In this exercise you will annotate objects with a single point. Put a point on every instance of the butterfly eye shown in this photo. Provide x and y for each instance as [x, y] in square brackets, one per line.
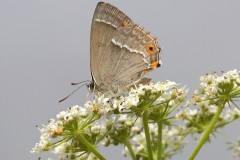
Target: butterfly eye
[151, 48]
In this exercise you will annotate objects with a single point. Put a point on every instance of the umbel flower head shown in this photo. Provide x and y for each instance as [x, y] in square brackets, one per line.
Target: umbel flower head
[215, 92]
[76, 132]
[139, 99]
[217, 89]
[144, 121]
[235, 147]
[173, 141]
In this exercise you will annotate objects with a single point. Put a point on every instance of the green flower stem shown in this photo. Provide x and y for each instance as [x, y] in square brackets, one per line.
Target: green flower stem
[55, 144]
[90, 119]
[128, 144]
[90, 146]
[193, 122]
[207, 132]
[224, 124]
[146, 130]
[159, 142]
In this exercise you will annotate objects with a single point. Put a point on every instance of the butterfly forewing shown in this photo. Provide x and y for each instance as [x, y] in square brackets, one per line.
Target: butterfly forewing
[106, 20]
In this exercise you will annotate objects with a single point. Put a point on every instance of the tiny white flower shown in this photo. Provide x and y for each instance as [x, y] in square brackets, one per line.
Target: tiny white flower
[96, 128]
[159, 87]
[192, 112]
[140, 148]
[74, 113]
[208, 79]
[68, 117]
[140, 90]
[238, 81]
[138, 126]
[42, 144]
[213, 109]
[129, 123]
[172, 132]
[236, 111]
[88, 104]
[136, 129]
[153, 128]
[117, 103]
[61, 149]
[119, 127]
[226, 116]
[61, 115]
[171, 103]
[131, 100]
[220, 79]
[83, 112]
[122, 118]
[233, 74]
[105, 142]
[180, 115]
[165, 96]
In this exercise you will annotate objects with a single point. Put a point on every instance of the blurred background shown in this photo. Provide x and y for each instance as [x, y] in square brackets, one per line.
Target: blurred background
[44, 46]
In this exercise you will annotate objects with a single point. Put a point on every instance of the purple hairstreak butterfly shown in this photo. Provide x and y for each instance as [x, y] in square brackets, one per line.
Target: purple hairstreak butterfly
[121, 52]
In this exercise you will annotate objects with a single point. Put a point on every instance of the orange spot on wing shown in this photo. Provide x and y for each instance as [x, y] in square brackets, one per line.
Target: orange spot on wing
[155, 64]
[151, 48]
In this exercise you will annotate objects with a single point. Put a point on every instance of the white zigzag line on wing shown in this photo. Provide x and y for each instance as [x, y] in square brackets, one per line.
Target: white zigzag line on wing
[127, 47]
[131, 50]
[102, 20]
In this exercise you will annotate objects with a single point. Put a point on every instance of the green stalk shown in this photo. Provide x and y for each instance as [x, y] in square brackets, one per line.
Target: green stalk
[147, 134]
[207, 132]
[159, 142]
[128, 144]
[90, 146]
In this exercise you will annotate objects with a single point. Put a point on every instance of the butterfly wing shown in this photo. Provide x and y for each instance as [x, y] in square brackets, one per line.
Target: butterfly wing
[106, 20]
[121, 51]
[132, 53]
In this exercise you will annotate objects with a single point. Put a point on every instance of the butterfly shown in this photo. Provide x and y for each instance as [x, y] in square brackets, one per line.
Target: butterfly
[121, 52]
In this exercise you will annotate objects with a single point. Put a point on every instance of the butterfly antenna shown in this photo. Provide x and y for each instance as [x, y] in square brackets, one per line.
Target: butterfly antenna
[80, 82]
[72, 92]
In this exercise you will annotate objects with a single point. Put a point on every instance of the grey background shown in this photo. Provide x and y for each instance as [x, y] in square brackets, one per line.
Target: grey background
[44, 46]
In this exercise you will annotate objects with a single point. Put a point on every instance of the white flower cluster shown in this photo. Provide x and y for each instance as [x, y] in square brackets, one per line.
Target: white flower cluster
[103, 105]
[202, 115]
[45, 137]
[213, 85]
[119, 125]
[214, 92]
[173, 141]
[56, 127]
[98, 118]
[73, 112]
[235, 146]
[230, 115]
